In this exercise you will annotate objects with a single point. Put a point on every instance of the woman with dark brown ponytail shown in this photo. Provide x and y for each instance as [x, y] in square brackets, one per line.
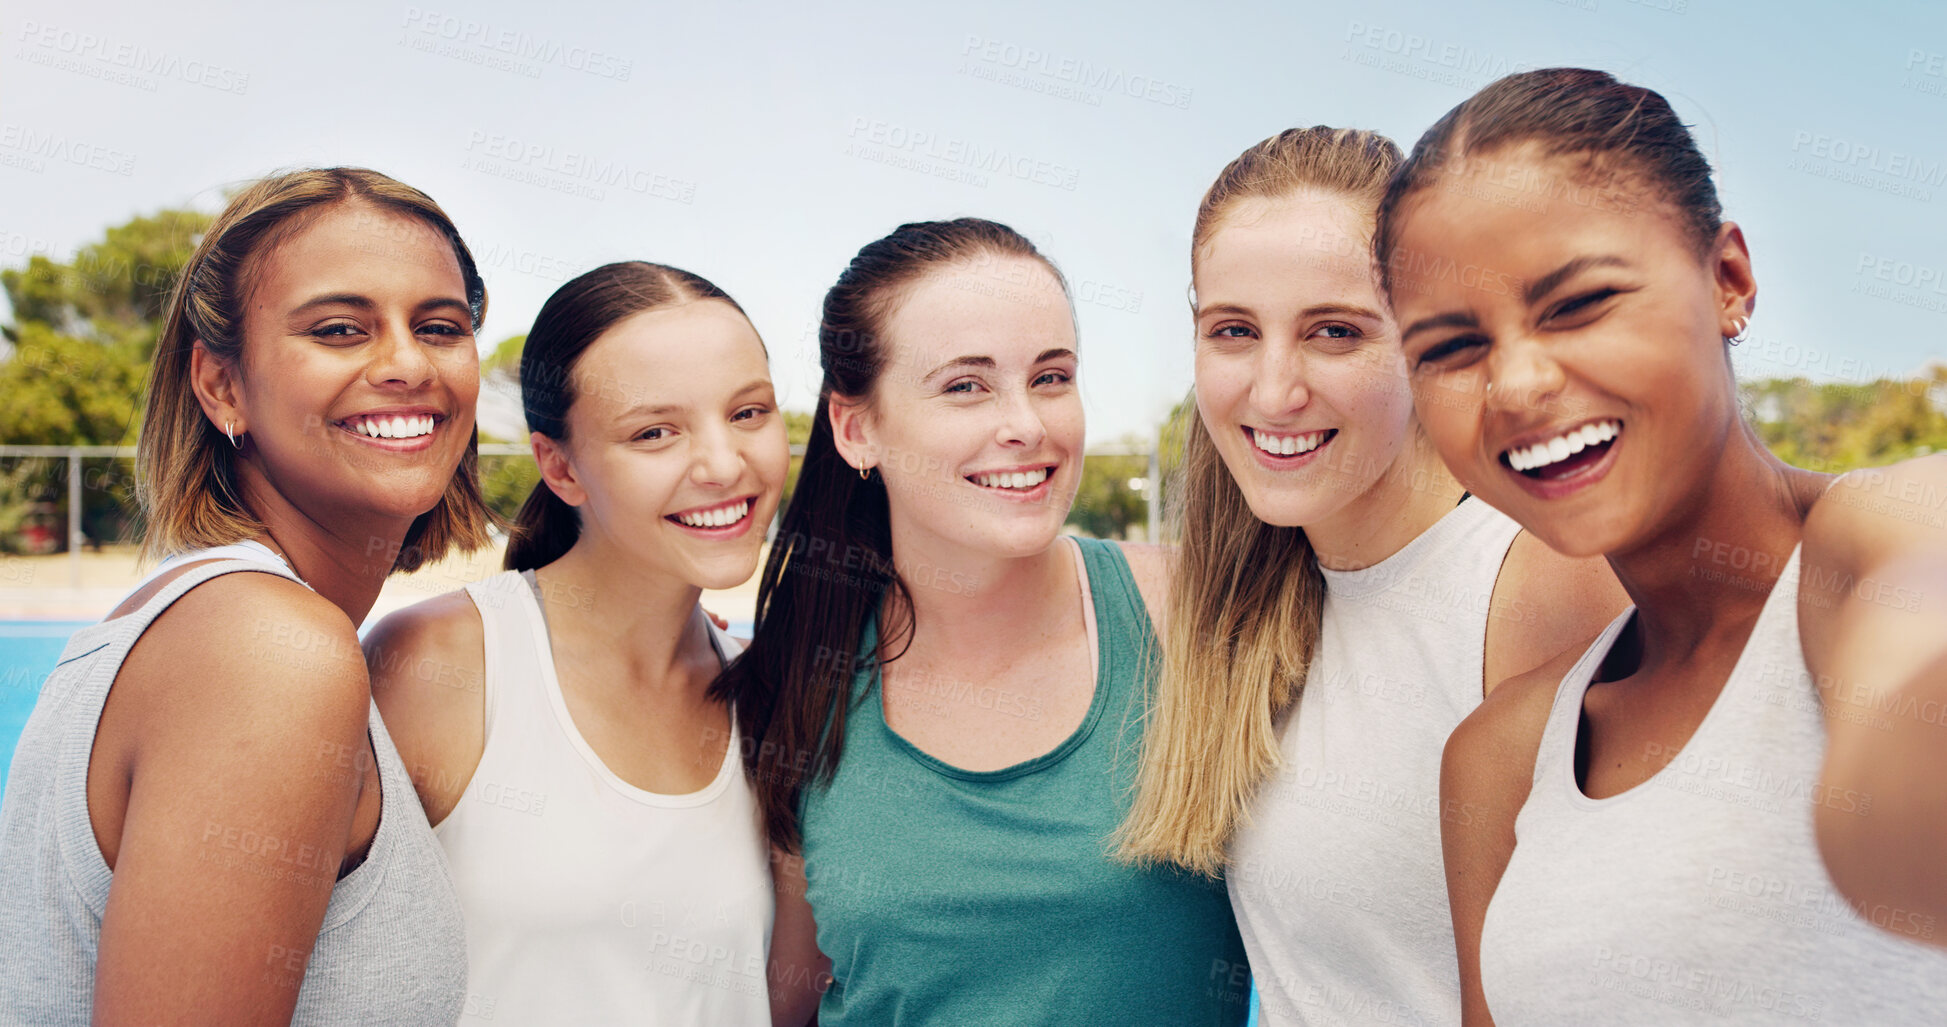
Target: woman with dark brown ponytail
[953, 688]
[1638, 840]
[587, 789]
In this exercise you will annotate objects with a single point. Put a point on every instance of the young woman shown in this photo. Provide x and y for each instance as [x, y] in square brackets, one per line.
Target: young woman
[1555, 251]
[1339, 604]
[588, 792]
[205, 820]
[953, 686]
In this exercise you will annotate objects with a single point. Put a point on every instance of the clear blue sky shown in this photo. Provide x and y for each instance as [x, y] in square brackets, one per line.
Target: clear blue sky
[761, 145]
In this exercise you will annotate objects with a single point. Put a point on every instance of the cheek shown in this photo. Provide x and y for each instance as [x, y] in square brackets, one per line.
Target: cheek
[1221, 382]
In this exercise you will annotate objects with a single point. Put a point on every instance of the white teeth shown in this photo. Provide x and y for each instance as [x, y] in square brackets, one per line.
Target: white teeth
[1012, 479]
[392, 427]
[720, 517]
[1287, 445]
[1563, 446]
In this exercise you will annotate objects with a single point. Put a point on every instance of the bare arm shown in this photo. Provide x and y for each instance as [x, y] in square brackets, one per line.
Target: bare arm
[242, 784]
[1546, 604]
[1872, 608]
[798, 972]
[428, 665]
[1485, 774]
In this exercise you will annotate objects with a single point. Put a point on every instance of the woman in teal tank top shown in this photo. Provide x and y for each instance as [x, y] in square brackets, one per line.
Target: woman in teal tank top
[951, 690]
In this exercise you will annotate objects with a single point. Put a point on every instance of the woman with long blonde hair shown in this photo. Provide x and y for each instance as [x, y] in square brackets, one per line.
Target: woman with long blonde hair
[1339, 604]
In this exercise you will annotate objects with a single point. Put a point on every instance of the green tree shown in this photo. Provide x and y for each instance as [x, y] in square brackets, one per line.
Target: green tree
[77, 356]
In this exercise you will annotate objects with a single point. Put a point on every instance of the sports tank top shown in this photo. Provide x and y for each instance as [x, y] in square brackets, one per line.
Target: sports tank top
[1699, 896]
[391, 948]
[587, 899]
[1337, 879]
[950, 896]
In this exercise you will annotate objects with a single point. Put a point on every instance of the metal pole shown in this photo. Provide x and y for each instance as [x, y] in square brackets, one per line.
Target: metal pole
[74, 517]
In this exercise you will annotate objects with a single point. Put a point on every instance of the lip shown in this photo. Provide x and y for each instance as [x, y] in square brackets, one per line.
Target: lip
[1576, 480]
[412, 445]
[717, 534]
[1037, 494]
[1280, 462]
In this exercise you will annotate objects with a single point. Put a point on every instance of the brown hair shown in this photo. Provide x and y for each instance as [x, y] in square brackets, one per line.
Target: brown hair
[1247, 599]
[832, 560]
[1617, 128]
[578, 313]
[186, 474]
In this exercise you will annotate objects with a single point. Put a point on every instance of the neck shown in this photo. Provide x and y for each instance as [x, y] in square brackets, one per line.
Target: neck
[962, 601]
[343, 557]
[600, 598]
[1412, 494]
[1714, 565]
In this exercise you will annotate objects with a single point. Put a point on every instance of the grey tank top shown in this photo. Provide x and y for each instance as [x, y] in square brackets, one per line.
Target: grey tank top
[1699, 896]
[392, 946]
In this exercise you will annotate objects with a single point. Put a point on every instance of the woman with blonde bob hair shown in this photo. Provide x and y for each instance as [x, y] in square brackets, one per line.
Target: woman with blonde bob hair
[1339, 603]
[205, 818]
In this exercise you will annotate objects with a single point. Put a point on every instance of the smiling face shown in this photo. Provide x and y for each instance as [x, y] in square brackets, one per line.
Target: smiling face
[976, 422]
[676, 452]
[1298, 372]
[1567, 358]
[359, 372]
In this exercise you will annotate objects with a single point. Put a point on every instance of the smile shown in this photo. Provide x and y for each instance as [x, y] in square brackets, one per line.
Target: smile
[1562, 455]
[714, 519]
[1289, 444]
[1012, 481]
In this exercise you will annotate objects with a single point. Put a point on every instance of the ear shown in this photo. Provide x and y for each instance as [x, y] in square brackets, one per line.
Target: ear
[556, 471]
[853, 431]
[1737, 285]
[219, 389]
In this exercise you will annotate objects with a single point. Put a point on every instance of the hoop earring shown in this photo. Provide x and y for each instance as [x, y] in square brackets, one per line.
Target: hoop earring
[234, 444]
[865, 473]
[1738, 329]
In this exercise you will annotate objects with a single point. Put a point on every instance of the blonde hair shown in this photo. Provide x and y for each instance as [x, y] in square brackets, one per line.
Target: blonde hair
[186, 473]
[1247, 597]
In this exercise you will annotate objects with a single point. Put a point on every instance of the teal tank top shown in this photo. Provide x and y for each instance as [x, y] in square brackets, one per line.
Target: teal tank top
[989, 897]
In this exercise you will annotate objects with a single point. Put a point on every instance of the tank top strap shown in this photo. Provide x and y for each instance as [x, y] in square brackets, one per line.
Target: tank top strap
[1557, 743]
[1121, 617]
[514, 637]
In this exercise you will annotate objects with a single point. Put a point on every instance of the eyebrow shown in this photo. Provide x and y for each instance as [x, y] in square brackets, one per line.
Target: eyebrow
[1452, 319]
[352, 299]
[1316, 310]
[1552, 280]
[970, 361]
[659, 409]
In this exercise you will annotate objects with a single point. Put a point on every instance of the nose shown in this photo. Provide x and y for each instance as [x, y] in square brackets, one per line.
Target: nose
[399, 360]
[1523, 377]
[1278, 387]
[715, 459]
[1020, 425]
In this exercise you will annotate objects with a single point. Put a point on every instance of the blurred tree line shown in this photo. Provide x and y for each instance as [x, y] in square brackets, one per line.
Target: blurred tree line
[82, 331]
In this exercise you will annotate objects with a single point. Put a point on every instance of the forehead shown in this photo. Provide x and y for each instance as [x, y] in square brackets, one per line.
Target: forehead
[997, 306]
[687, 354]
[1300, 244]
[358, 248]
[1486, 225]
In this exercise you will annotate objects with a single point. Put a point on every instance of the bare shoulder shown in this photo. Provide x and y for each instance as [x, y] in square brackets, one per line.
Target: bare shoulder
[1151, 564]
[440, 641]
[1878, 513]
[1546, 604]
[428, 664]
[1498, 741]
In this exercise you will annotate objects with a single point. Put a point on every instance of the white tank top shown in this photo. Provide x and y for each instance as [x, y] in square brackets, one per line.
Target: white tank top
[588, 900]
[1699, 896]
[1337, 882]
